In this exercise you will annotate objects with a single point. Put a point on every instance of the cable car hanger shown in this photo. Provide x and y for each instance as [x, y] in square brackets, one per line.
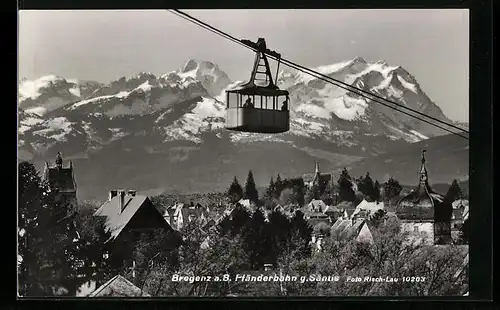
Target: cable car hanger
[260, 112]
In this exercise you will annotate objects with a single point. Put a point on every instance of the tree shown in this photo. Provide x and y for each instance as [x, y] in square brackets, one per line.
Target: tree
[378, 218]
[278, 187]
[392, 189]
[376, 191]
[239, 218]
[366, 186]
[279, 230]
[270, 190]
[250, 189]
[346, 193]
[45, 238]
[235, 191]
[256, 241]
[312, 193]
[303, 231]
[328, 196]
[454, 192]
[200, 254]
[90, 247]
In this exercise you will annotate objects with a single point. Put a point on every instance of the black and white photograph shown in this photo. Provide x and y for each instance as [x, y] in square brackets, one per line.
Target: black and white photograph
[243, 153]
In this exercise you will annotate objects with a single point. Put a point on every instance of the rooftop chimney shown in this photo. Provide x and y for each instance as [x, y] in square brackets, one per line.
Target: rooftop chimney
[121, 200]
[112, 194]
[132, 192]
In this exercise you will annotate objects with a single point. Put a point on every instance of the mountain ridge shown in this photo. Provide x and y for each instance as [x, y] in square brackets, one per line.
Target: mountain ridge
[176, 121]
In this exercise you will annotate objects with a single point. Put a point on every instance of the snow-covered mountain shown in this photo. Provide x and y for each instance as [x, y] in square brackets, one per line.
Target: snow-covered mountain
[176, 121]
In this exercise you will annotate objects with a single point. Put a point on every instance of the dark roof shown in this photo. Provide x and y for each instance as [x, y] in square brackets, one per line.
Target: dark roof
[116, 220]
[118, 286]
[251, 89]
[60, 178]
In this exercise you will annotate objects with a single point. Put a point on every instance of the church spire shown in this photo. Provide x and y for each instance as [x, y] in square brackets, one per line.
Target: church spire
[316, 167]
[423, 169]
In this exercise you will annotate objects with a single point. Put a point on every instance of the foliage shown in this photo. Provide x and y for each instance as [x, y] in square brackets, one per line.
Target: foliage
[392, 189]
[235, 191]
[278, 187]
[250, 189]
[346, 193]
[313, 193]
[454, 192]
[256, 240]
[45, 233]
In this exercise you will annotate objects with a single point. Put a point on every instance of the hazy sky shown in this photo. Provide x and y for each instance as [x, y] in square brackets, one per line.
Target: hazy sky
[433, 45]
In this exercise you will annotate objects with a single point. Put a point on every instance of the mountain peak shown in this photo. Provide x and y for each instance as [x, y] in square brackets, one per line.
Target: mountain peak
[190, 65]
[194, 64]
[358, 59]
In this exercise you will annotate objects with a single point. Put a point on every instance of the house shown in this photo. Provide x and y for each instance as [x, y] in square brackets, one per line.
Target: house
[367, 209]
[62, 181]
[333, 212]
[118, 286]
[127, 211]
[314, 218]
[425, 214]
[352, 229]
[127, 215]
[316, 205]
[180, 213]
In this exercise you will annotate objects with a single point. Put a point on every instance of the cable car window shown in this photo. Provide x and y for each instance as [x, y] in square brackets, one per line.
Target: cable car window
[232, 100]
[258, 102]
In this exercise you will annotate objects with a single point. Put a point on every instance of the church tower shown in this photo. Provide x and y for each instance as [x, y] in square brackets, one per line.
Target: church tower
[62, 180]
[424, 213]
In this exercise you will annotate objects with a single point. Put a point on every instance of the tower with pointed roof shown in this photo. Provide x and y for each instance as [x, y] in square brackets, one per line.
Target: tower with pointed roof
[424, 213]
[317, 178]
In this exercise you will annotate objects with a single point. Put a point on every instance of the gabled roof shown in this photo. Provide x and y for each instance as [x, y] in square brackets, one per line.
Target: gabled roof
[369, 207]
[331, 209]
[347, 228]
[116, 220]
[316, 204]
[118, 286]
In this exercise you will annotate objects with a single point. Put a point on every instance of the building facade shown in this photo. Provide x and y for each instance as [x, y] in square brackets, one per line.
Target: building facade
[424, 214]
[62, 180]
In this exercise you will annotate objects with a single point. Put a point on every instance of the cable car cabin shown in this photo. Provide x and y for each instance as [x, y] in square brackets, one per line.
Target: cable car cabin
[265, 112]
[258, 108]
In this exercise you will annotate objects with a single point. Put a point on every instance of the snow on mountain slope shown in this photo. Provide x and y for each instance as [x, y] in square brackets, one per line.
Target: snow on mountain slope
[329, 106]
[51, 92]
[32, 89]
[211, 77]
[185, 104]
[207, 115]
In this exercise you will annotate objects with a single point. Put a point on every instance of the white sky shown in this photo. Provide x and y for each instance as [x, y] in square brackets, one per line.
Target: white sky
[433, 45]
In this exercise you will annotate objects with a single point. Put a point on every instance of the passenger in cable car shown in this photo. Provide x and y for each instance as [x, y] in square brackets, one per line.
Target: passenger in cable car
[284, 106]
[248, 103]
